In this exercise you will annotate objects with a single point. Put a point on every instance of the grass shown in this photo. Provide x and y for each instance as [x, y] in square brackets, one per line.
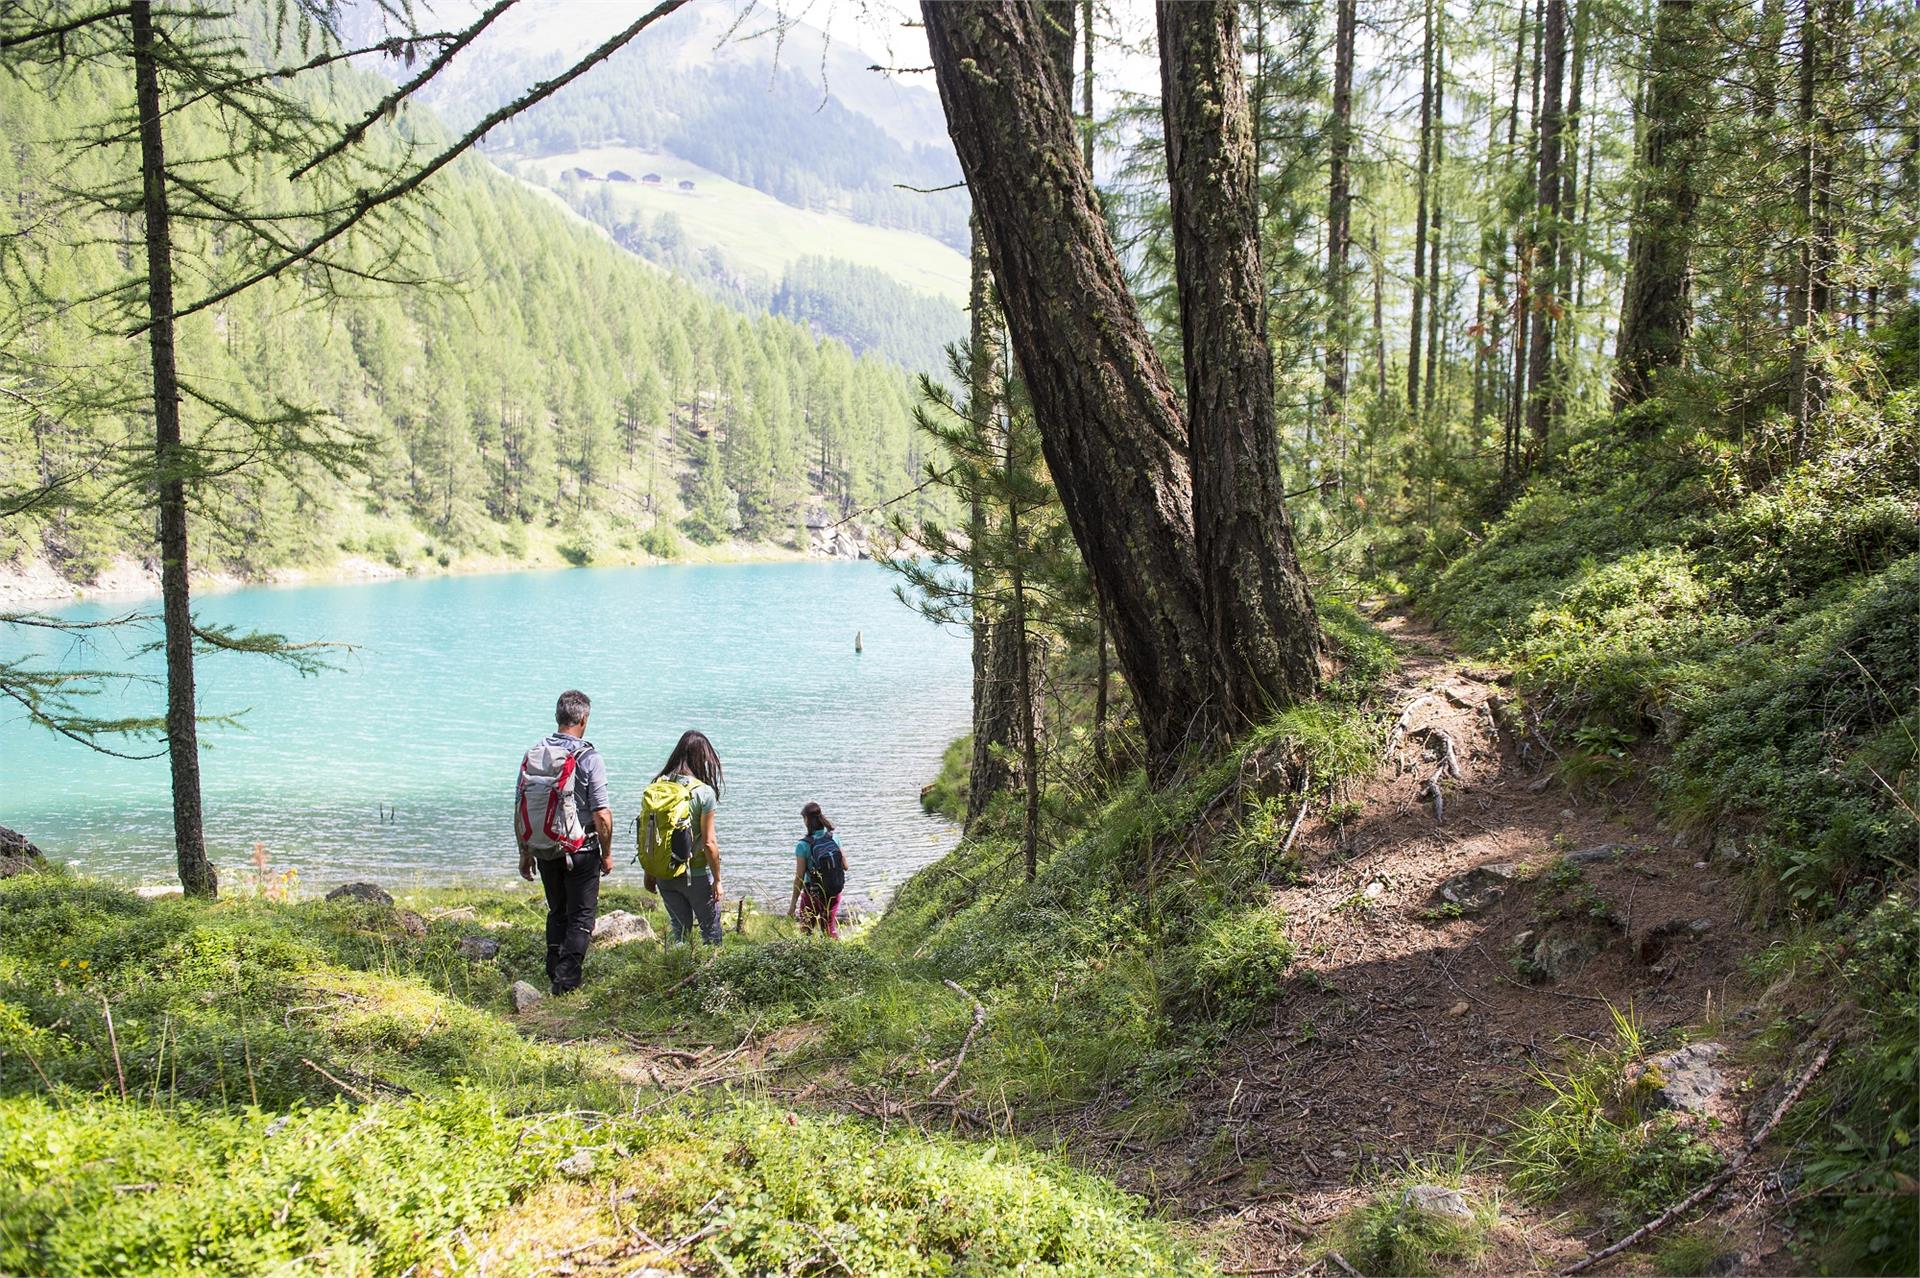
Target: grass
[1390, 1234]
[1594, 1135]
[755, 230]
[309, 1088]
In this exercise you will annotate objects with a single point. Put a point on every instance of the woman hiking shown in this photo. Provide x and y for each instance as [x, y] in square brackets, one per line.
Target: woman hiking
[819, 875]
[695, 895]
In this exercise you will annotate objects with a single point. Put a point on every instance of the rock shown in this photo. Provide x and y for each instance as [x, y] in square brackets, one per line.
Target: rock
[478, 949]
[1439, 1200]
[154, 891]
[1477, 890]
[278, 1125]
[1374, 888]
[1564, 948]
[372, 893]
[1598, 854]
[617, 926]
[15, 846]
[1659, 941]
[578, 1164]
[1686, 1079]
[412, 924]
[1458, 1009]
[523, 996]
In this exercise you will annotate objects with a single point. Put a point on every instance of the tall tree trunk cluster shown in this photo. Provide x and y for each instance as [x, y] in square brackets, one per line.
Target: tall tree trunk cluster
[1181, 525]
[1655, 308]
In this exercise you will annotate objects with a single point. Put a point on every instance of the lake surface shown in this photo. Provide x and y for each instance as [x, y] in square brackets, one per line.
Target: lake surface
[450, 679]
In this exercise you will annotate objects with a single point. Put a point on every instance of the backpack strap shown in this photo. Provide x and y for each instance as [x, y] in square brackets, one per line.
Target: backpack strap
[560, 784]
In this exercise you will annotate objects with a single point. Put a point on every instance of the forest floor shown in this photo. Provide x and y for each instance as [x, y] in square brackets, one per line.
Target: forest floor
[1413, 1029]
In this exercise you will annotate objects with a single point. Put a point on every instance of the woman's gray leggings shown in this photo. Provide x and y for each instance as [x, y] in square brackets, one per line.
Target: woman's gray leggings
[688, 899]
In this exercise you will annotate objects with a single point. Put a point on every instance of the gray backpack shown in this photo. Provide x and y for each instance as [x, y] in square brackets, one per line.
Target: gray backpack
[546, 820]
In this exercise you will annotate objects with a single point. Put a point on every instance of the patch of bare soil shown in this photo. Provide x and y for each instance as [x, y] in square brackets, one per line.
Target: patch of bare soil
[1441, 958]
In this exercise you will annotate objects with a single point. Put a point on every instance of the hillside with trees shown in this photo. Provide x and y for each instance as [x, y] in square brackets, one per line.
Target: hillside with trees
[541, 385]
[1440, 539]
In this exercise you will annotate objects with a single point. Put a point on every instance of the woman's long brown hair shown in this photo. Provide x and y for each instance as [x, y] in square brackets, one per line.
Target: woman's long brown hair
[816, 819]
[694, 756]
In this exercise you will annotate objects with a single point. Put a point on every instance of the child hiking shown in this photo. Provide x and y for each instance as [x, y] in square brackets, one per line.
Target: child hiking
[819, 875]
[678, 851]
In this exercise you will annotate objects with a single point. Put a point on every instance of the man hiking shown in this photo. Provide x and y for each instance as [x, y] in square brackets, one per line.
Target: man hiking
[564, 827]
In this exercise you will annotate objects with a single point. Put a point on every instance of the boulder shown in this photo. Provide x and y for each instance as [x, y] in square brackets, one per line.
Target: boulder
[412, 924]
[17, 846]
[1658, 944]
[523, 996]
[1599, 854]
[617, 926]
[1686, 1078]
[1477, 890]
[578, 1165]
[1439, 1200]
[1559, 950]
[371, 893]
[478, 949]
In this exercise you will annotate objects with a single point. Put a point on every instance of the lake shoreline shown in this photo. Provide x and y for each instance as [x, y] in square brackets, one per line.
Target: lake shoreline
[35, 583]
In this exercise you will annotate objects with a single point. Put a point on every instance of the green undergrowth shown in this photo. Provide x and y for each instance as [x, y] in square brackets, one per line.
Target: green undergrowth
[1752, 619]
[1596, 1136]
[317, 1088]
[1393, 1233]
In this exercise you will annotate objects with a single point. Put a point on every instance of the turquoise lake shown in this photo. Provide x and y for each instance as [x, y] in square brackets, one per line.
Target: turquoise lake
[449, 679]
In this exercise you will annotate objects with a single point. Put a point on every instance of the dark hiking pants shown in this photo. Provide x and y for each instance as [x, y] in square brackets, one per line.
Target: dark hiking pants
[687, 899]
[573, 899]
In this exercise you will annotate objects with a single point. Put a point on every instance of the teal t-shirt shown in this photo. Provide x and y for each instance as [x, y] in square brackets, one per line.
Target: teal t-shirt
[704, 800]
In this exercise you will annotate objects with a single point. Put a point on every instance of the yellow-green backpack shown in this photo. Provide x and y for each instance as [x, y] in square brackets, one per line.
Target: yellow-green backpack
[664, 828]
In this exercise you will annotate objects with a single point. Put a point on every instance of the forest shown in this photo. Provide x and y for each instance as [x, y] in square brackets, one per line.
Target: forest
[1430, 488]
[542, 383]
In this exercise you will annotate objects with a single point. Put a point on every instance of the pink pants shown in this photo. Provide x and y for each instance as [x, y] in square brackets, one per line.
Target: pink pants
[822, 913]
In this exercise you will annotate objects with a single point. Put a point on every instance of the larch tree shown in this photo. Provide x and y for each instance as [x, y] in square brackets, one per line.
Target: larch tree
[1115, 439]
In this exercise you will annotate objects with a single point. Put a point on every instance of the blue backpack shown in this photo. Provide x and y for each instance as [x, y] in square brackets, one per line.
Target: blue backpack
[826, 868]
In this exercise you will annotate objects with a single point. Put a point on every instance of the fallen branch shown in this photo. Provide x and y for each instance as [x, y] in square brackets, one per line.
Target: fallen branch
[979, 1019]
[1306, 776]
[1719, 1181]
[113, 1037]
[348, 1088]
[1400, 724]
[1344, 1267]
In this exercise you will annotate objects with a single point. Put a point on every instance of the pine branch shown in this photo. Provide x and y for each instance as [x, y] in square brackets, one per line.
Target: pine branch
[367, 202]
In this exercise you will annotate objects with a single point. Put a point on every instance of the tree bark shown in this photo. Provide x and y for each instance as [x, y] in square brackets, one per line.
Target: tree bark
[1545, 301]
[1099, 609]
[1022, 644]
[993, 678]
[1434, 168]
[1261, 627]
[1111, 430]
[1420, 218]
[197, 875]
[1339, 209]
[1655, 306]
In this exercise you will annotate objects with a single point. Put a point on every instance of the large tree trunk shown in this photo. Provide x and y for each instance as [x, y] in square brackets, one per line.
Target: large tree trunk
[1434, 218]
[993, 675]
[1111, 429]
[1655, 307]
[1339, 209]
[1099, 609]
[1420, 219]
[1810, 294]
[1546, 263]
[197, 876]
[1260, 621]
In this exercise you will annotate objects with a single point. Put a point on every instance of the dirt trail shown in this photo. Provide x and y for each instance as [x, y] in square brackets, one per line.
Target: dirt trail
[1411, 1030]
[1413, 1025]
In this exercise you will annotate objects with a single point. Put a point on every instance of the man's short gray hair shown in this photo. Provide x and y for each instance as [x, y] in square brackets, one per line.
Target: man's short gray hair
[573, 707]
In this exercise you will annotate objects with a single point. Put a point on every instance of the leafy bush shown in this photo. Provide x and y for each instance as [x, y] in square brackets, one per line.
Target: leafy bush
[1235, 969]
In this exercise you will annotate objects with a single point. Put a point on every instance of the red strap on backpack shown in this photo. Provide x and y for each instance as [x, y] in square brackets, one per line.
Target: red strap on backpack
[553, 806]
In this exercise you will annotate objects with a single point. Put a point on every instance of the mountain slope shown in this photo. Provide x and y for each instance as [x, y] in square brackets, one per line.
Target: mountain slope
[551, 390]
